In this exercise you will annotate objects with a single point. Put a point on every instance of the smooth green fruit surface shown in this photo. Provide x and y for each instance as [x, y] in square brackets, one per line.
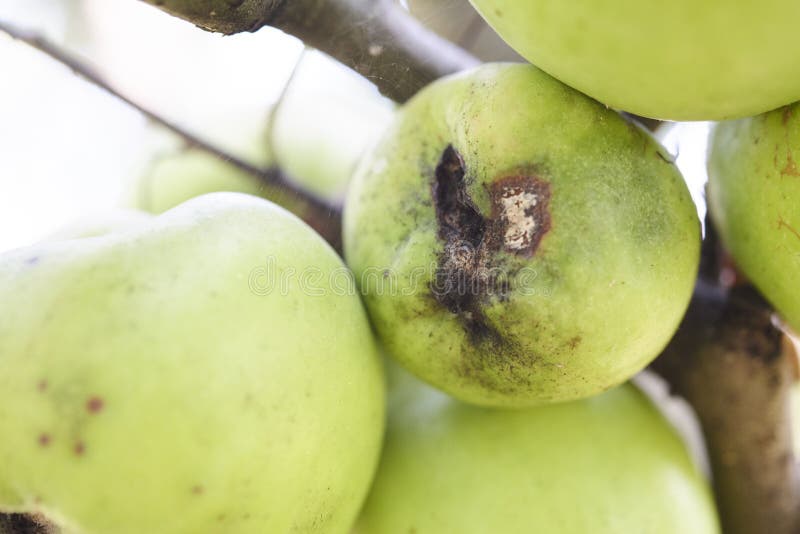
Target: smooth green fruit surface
[679, 60]
[518, 243]
[150, 382]
[606, 465]
[754, 200]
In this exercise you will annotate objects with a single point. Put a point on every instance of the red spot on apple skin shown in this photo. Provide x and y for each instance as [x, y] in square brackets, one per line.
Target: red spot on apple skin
[198, 490]
[45, 439]
[79, 448]
[94, 405]
[41, 386]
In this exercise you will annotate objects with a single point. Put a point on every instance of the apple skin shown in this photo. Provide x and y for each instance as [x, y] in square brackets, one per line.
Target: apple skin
[606, 465]
[604, 289]
[147, 385]
[679, 60]
[754, 201]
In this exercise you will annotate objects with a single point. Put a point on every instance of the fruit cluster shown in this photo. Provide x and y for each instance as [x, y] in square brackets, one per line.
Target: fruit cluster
[514, 252]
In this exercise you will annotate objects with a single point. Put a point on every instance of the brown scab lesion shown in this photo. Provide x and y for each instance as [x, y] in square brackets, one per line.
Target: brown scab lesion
[574, 342]
[520, 215]
[469, 271]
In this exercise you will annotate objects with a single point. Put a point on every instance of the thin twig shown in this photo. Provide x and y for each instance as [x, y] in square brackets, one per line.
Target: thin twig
[320, 214]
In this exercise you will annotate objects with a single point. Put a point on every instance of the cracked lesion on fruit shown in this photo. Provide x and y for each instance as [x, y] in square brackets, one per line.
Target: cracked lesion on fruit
[469, 270]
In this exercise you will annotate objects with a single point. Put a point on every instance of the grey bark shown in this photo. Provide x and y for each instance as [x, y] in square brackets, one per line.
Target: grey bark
[735, 367]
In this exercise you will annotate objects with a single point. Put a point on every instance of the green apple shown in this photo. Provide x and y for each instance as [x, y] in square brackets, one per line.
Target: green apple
[679, 60]
[606, 465]
[177, 176]
[754, 200]
[519, 243]
[196, 375]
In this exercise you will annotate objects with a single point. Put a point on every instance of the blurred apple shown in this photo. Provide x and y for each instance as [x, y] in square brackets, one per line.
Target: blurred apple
[606, 465]
[754, 201]
[178, 176]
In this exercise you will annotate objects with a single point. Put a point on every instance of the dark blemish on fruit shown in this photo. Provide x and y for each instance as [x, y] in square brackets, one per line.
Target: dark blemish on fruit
[574, 342]
[41, 386]
[459, 278]
[198, 490]
[94, 405]
[520, 216]
[45, 439]
[79, 448]
[469, 272]
[457, 215]
[221, 518]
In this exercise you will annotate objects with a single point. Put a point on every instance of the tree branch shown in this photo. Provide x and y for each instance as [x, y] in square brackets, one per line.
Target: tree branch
[321, 215]
[736, 369]
[376, 38]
